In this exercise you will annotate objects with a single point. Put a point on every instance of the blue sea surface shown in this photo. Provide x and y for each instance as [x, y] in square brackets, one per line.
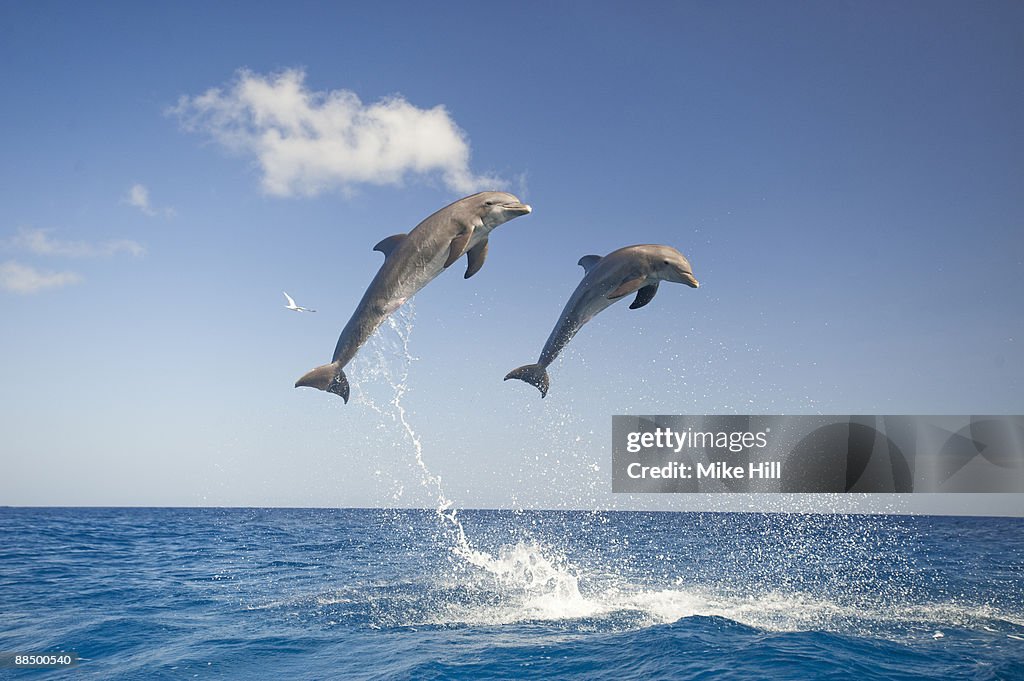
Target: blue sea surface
[405, 594]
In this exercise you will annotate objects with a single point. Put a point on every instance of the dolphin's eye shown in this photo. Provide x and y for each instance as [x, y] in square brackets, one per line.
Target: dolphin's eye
[489, 203]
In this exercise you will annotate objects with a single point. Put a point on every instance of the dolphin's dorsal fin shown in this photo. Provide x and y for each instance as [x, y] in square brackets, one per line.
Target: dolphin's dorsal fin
[387, 245]
[644, 296]
[588, 261]
[476, 258]
[458, 246]
[627, 287]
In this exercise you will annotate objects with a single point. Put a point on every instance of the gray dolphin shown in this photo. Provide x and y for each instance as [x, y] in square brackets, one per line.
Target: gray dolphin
[411, 261]
[631, 269]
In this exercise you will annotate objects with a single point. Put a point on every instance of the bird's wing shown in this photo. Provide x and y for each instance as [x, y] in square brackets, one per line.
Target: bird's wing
[291, 303]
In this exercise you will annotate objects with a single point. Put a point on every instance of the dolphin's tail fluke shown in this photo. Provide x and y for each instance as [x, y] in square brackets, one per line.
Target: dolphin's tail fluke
[329, 377]
[534, 374]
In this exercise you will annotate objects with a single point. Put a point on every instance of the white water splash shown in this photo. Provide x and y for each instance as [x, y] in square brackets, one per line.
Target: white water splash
[528, 581]
[534, 589]
[396, 375]
[541, 584]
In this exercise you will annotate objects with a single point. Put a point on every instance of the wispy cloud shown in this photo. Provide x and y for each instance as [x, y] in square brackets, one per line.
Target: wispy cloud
[39, 242]
[19, 278]
[138, 196]
[307, 142]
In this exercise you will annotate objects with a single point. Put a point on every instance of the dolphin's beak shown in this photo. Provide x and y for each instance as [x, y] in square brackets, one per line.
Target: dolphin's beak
[517, 208]
[690, 280]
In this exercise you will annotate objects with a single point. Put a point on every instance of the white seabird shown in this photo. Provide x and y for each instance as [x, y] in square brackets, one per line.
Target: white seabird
[292, 306]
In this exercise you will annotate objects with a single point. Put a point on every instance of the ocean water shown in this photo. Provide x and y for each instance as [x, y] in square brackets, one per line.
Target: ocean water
[408, 594]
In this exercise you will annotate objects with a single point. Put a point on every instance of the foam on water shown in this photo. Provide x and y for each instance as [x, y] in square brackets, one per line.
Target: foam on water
[531, 582]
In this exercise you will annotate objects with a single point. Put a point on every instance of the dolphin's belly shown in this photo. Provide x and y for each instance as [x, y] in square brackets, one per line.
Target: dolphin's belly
[398, 280]
[404, 282]
[422, 268]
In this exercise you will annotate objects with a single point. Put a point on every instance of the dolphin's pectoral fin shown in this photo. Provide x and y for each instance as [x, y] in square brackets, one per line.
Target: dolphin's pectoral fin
[458, 246]
[476, 258]
[644, 296]
[627, 287]
[588, 261]
[389, 244]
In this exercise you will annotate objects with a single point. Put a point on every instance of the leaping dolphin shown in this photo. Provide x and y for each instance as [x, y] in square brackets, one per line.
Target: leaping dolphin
[411, 261]
[631, 269]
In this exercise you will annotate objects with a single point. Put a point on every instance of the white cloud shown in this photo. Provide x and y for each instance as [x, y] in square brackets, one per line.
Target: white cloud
[138, 196]
[40, 242]
[307, 142]
[20, 278]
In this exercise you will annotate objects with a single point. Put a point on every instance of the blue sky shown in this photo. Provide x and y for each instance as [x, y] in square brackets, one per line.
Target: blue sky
[846, 178]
